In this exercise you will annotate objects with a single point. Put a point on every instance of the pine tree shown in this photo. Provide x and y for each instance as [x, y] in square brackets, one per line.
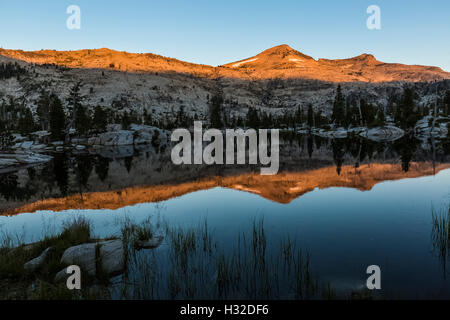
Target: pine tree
[215, 110]
[100, 119]
[148, 120]
[73, 102]
[252, 119]
[43, 110]
[368, 113]
[338, 116]
[406, 114]
[310, 116]
[6, 139]
[299, 117]
[82, 120]
[26, 122]
[181, 118]
[380, 118]
[57, 118]
[447, 103]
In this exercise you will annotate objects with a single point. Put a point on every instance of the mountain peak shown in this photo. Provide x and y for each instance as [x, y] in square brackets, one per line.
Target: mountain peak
[280, 61]
[366, 57]
[283, 51]
[279, 48]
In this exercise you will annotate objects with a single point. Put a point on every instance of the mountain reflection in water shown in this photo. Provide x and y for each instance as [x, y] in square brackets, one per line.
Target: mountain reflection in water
[114, 178]
[282, 188]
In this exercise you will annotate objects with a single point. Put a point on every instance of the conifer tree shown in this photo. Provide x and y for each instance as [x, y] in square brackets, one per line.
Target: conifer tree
[82, 120]
[26, 122]
[310, 116]
[406, 115]
[252, 120]
[73, 102]
[338, 116]
[215, 110]
[100, 119]
[6, 139]
[57, 118]
[43, 110]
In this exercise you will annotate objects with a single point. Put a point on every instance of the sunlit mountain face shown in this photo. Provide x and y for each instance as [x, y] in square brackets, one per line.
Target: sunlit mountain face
[280, 61]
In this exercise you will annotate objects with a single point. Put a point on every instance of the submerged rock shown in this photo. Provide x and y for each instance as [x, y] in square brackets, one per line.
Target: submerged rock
[25, 158]
[338, 133]
[386, 133]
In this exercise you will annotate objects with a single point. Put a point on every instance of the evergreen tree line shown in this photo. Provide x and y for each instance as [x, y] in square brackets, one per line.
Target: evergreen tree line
[9, 70]
[346, 112]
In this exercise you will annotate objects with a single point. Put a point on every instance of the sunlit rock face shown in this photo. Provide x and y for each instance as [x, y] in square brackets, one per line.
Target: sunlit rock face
[282, 188]
[277, 80]
[278, 62]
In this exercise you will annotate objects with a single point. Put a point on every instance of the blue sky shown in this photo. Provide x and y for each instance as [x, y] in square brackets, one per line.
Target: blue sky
[216, 32]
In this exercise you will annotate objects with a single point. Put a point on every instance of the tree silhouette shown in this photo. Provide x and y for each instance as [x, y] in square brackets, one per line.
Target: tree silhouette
[82, 120]
[215, 111]
[6, 139]
[100, 119]
[310, 116]
[338, 154]
[26, 122]
[102, 168]
[338, 116]
[43, 110]
[57, 118]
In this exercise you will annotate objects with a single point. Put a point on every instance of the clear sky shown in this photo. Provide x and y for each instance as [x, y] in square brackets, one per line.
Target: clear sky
[216, 32]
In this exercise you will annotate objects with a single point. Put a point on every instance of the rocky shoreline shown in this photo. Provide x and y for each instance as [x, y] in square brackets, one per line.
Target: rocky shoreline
[31, 152]
[102, 262]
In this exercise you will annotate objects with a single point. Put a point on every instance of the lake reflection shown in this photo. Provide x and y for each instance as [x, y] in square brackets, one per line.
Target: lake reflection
[349, 211]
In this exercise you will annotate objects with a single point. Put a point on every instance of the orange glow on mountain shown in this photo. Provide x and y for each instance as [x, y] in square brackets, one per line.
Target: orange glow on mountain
[282, 188]
[277, 62]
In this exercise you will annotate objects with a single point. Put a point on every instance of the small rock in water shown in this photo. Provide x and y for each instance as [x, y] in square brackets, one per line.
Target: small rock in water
[151, 243]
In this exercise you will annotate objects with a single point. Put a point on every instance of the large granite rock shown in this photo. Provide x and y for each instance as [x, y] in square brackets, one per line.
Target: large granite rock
[116, 138]
[83, 255]
[148, 134]
[110, 254]
[112, 257]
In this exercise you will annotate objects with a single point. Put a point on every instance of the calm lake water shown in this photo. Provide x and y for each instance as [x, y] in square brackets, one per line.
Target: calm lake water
[376, 211]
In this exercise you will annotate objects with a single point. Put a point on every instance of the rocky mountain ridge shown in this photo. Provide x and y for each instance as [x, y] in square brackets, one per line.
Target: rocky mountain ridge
[277, 62]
